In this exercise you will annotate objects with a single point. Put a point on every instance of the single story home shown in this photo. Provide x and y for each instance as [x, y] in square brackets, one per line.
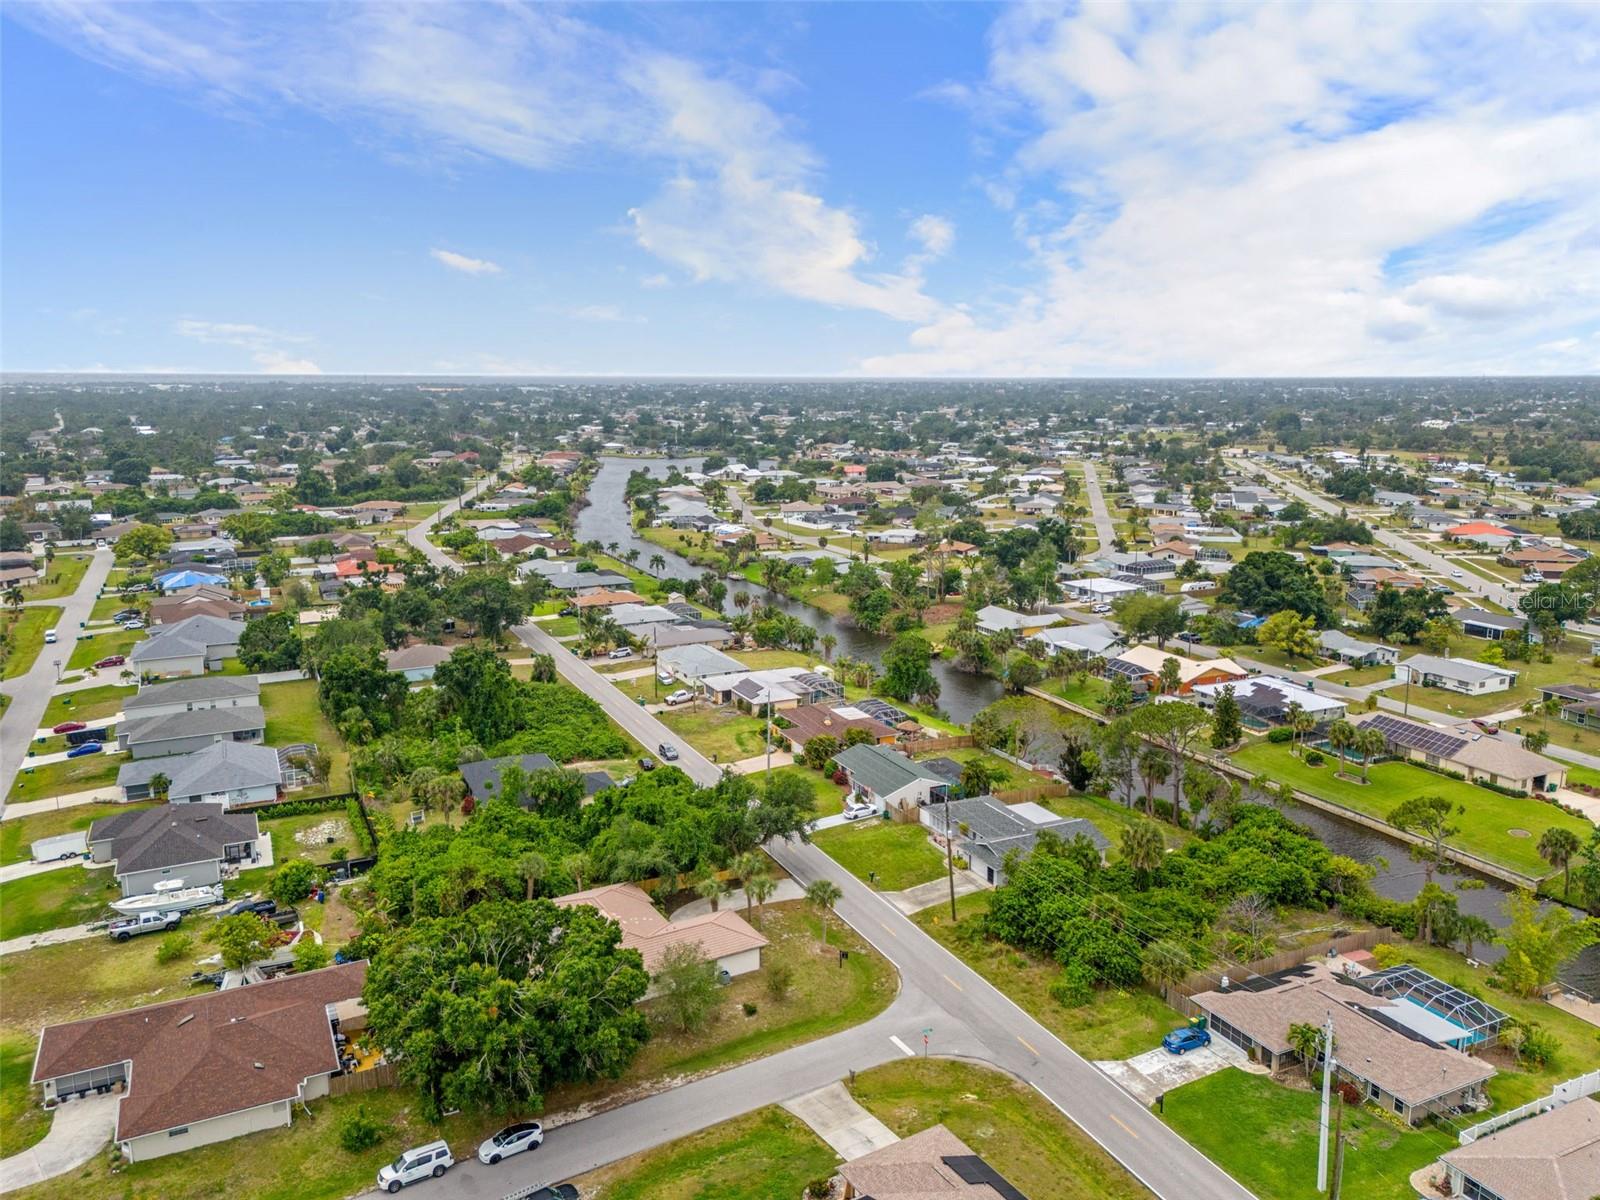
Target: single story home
[1461, 675]
[994, 619]
[1551, 1155]
[1492, 626]
[1482, 533]
[781, 688]
[483, 777]
[986, 830]
[193, 695]
[888, 779]
[206, 1067]
[1478, 756]
[723, 937]
[1266, 700]
[1100, 591]
[932, 1165]
[191, 646]
[190, 842]
[1145, 663]
[606, 598]
[694, 662]
[1381, 1044]
[185, 732]
[223, 772]
[203, 600]
[800, 725]
[1356, 652]
[416, 663]
[1081, 641]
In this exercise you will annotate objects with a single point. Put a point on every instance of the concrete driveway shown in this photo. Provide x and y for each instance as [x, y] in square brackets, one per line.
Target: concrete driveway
[1155, 1072]
[836, 1118]
[78, 1131]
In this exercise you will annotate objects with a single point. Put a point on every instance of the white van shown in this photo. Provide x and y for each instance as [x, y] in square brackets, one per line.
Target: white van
[49, 637]
[420, 1162]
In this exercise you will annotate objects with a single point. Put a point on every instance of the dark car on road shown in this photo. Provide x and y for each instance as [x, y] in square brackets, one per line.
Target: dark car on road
[647, 764]
[668, 752]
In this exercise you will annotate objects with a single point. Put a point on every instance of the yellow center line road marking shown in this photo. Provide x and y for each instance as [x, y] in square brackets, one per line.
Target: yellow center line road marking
[889, 931]
[1031, 1050]
[1119, 1121]
[955, 985]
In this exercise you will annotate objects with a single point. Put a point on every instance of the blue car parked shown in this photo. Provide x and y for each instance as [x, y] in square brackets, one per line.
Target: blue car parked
[1187, 1038]
[82, 751]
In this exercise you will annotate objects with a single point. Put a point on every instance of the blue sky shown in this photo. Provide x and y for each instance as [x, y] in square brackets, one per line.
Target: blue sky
[801, 189]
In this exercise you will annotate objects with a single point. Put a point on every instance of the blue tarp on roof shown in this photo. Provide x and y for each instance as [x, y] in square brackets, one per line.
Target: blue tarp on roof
[173, 580]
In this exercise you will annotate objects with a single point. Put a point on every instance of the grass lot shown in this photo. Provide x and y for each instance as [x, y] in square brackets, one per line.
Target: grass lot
[27, 638]
[1564, 668]
[763, 1154]
[22, 1121]
[829, 795]
[1087, 692]
[722, 734]
[109, 605]
[1264, 1134]
[61, 577]
[17, 834]
[1009, 774]
[1273, 657]
[1118, 1024]
[1111, 818]
[87, 704]
[1016, 1130]
[1485, 824]
[900, 855]
[293, 716]
[560, 627]
[1359, 676]
[65, 777]
[92, 647]
[53, 900]
[825, 997]
[766, 660]
[306, 837]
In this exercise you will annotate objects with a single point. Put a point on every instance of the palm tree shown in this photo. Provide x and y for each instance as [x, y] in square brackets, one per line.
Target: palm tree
[160, 783]
[1142, 847]
[1303, 724]
[657, 564]
[1306, 1041]
[579, 865]
[1341, 737]
[823, 895]
[1155, 768]
[759, 887]
[1370, 742]
[709, 887]
[1470, 929]
[533, 867]
[1557, 847]
[1291, 718]
[828, 643]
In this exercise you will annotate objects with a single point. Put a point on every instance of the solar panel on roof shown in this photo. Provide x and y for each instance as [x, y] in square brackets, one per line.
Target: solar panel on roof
[1417, 737]
[971, 1169]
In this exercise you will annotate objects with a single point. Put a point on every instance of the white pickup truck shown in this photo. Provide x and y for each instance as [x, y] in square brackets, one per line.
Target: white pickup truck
[157, 922]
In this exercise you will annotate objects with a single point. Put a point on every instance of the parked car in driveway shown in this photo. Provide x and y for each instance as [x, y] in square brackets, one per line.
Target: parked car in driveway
[513, 1139]
[665, 676]
[84, 750]
[621, 652]
[420, 1162]
[647, 764]
[681, 696]
[261, 907]
[135, 624]
[668, 752]
[114, 660]
[1190, 1037]
[68, 727]
[556, 1191]
[150, 922]
[856, 808]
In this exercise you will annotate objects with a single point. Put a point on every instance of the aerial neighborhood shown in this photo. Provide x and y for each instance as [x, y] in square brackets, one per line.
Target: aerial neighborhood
[510, 779]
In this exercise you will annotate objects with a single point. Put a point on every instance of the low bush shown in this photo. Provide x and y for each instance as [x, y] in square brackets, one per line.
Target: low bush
[1075, 986]
[1279, 736]
[358, 1131]
[780, 978]
[173, 947]
[1313, 758]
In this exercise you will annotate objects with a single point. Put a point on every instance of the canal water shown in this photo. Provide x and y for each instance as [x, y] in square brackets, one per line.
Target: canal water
[962, 694]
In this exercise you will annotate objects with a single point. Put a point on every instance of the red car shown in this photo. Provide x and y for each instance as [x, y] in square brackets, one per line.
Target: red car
[68, 727]
[115, 660]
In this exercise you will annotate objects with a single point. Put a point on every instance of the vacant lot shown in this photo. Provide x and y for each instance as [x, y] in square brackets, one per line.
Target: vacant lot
[65, 777]
[92, 646]
[86, 704]
[54, 900]
[27, 637]
[1486, 825]
[293, 715]
[721, 734]
[890, 856]
[313, 836]
[61, 577]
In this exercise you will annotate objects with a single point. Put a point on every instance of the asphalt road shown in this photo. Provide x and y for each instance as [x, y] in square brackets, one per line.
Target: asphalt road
[1104, 529]
[963, 1014]
[30, 693]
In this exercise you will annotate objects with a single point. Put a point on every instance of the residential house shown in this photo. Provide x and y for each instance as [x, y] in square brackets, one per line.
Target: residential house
[1144, 663]
[185, 732]
[1492, 626]
[692, 663]
[1097, 590]
[986, 830]
[932, 1165]
[1579, 705]
[722, 937]
[1355, 652]
[1098, 640]
[1550, 561]
[783, 688]
[799, 725]
[416, 663]
[1461, 675]
[1269, 700]
[191, 646]
[206, 1067]
[1482, 533]
[1382, 1045]
[994, 619]
[192, 695]
[1466, 749]
[232, 773]
[483, 777]
[190, 842]
[202, 601]
[216, 550]
[606, 598]
[1551, 1155]
[887, 778]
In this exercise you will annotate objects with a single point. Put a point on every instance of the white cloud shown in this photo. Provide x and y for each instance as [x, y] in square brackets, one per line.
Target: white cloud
[934, 234]
[267, 346]
[464, 264]
[603, 313]
[658, 280]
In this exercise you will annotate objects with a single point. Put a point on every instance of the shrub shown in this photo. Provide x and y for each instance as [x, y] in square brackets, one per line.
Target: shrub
[749, 1009]
[310, 954]
[358, 1132]
[1539, 1046]
[340, 853]
[299, 808]
[820, 1187]
[1280, 735]
[1074, 988]
[173, 947]
[780, 977]
[293, 882]
[1313, 758]
[355, 811]
[1387, 955]
[1350, 1093]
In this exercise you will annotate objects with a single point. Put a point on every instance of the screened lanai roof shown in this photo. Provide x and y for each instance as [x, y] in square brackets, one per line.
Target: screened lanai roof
[1480, 1021]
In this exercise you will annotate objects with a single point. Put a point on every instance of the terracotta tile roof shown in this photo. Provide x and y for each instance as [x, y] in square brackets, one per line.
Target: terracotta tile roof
[605, 599]
[644, 929]
[210, 1055]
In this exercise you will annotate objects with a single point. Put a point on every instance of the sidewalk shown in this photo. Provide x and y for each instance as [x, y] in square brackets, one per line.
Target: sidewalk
[111, 794]
[53, 937]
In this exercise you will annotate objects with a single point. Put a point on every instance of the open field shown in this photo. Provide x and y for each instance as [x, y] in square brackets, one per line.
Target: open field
[307, 836]
[62, 778]
[294, 716]
[887, 854]
[722, 734]
[87, 704]
[1088, 691]
[1566, 667]
[27, 637]
[1486, 824]
[1360, 676]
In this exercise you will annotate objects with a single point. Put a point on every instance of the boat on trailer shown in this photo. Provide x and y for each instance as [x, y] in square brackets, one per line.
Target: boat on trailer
[170, 896]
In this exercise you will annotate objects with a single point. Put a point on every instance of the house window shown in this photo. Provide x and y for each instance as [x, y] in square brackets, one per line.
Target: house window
[1399, 1106]
[178, 1132]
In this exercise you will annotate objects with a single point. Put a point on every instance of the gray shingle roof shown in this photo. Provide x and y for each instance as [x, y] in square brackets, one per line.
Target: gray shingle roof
[883, 770]
[172, 835]
[483, 776]
[202, 722]
[220, 767]
[205, 687]
[192, 635]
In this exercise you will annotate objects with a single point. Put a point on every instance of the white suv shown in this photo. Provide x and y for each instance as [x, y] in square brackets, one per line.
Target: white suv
[421, 1162]
[855, 808]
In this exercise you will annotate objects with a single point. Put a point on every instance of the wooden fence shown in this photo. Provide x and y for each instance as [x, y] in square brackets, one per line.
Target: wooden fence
[1210, 980]
[382, 1075]
[955, 741]
[1024, 795]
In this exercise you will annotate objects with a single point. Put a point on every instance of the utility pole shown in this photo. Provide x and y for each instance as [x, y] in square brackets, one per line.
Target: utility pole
[1338, 1152]
[950, 853]
[1327, 1083]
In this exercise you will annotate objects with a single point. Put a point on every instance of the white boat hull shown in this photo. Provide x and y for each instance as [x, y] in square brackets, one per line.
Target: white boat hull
[179, 901]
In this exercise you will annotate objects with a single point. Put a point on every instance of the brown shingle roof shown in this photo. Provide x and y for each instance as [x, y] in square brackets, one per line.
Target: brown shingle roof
[644, 929]
[920, 1167]
[1554, 1156]
[209, 1055]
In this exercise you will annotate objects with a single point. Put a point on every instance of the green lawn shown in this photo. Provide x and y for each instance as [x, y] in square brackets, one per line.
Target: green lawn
[293, 715]
[766, 660]
[758, 1156]
[1009, 774]
[899, 856]
[306, 837]
[1485, 825]
[1264, 1134]
[65, 777]
[1359, 676]
[1564, 667]
[1110, 818]
[86, 704]
[61, 577]
[1017, 1131]
[54, 900]
[1087, 691]
[1116, 1024]
[1274, 657]
[92, 647]
[18, 833]
[829, 795]
[22, 1121]
[27, 638]
[722, 734]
